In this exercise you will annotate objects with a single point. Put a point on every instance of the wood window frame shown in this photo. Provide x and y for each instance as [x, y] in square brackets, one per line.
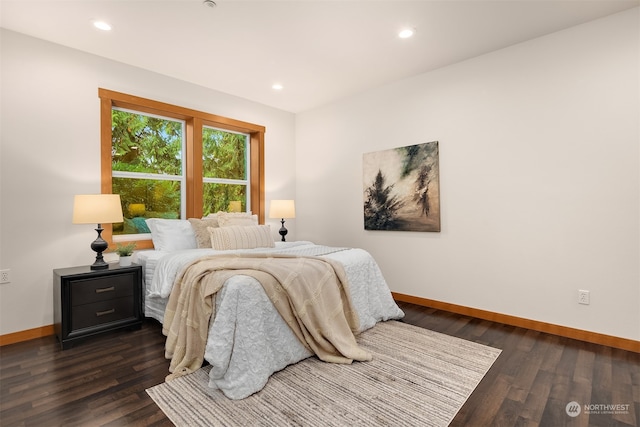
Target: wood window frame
[194, 121]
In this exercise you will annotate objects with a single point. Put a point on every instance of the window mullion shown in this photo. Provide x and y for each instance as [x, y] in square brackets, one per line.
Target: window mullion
[257, 175]
[226, 181]
[194, 168]
[144, 175]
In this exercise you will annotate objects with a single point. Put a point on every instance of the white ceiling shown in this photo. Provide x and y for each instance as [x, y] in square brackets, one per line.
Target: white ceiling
[319, 51]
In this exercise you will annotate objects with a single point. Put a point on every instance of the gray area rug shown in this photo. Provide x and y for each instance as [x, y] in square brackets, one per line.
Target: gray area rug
[417, 378]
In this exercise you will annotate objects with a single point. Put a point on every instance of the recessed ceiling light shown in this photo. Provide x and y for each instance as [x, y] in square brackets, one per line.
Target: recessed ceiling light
[277, 86]
[406, 33]
[101, 25]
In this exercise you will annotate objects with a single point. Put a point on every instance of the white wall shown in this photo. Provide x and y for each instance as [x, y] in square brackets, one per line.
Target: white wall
[539, 171]
[50, 151]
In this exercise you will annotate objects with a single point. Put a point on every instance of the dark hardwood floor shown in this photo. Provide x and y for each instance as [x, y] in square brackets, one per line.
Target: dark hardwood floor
[102, 381]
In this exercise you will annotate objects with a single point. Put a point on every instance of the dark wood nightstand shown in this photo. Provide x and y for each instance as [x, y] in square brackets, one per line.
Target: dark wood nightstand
[88, 302]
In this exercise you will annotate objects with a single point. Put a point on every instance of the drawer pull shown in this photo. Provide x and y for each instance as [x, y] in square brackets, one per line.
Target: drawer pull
[109, 289]
[104, 313]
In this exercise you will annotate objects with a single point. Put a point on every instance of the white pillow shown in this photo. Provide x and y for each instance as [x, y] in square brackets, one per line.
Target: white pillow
[227, 219]
[171, 234]
[241, 237]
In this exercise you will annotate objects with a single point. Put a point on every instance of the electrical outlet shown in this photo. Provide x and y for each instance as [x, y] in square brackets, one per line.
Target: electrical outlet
[583, 297]
[4, 276]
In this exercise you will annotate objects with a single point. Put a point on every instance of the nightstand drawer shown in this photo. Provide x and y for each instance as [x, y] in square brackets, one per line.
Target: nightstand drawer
[98, 313]
[87, 291]
[89, 302]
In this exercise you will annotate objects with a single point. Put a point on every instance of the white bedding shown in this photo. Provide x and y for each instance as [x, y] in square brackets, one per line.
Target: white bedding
[248, 340]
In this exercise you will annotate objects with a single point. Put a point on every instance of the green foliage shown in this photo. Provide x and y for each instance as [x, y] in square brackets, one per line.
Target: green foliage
[223, 157]
[142, 143]
[380, 207]
[223, 154]
[125, 250]
[156, 195]
[216, 197]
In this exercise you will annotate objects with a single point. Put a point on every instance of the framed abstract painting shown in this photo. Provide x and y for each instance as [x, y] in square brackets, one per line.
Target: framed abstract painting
[402, 188]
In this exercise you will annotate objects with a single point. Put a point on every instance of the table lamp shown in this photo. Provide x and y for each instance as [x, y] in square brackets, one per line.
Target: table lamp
[97, 209]
[282, 209]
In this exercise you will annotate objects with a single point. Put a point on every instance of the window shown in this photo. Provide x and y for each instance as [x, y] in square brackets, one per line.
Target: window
[147, 168]
[225, 177]
[167, 161]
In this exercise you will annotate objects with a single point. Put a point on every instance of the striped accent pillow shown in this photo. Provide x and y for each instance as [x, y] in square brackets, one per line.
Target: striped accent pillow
[241, 237]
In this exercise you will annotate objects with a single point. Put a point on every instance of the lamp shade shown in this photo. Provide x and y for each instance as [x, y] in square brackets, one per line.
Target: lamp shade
[282, 209]
[97, 209]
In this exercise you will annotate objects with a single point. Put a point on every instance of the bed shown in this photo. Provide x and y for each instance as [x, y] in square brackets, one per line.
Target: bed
[247, 338]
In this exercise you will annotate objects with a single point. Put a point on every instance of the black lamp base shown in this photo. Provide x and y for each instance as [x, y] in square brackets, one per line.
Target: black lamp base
[99, 264]
[283, 231]
[99, 245]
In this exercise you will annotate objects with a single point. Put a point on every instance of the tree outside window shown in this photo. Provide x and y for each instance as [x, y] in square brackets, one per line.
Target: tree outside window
[147, 168]
[225, 174]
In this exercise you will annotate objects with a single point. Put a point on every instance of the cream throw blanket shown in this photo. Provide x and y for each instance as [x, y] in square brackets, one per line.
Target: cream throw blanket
[311, 294]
